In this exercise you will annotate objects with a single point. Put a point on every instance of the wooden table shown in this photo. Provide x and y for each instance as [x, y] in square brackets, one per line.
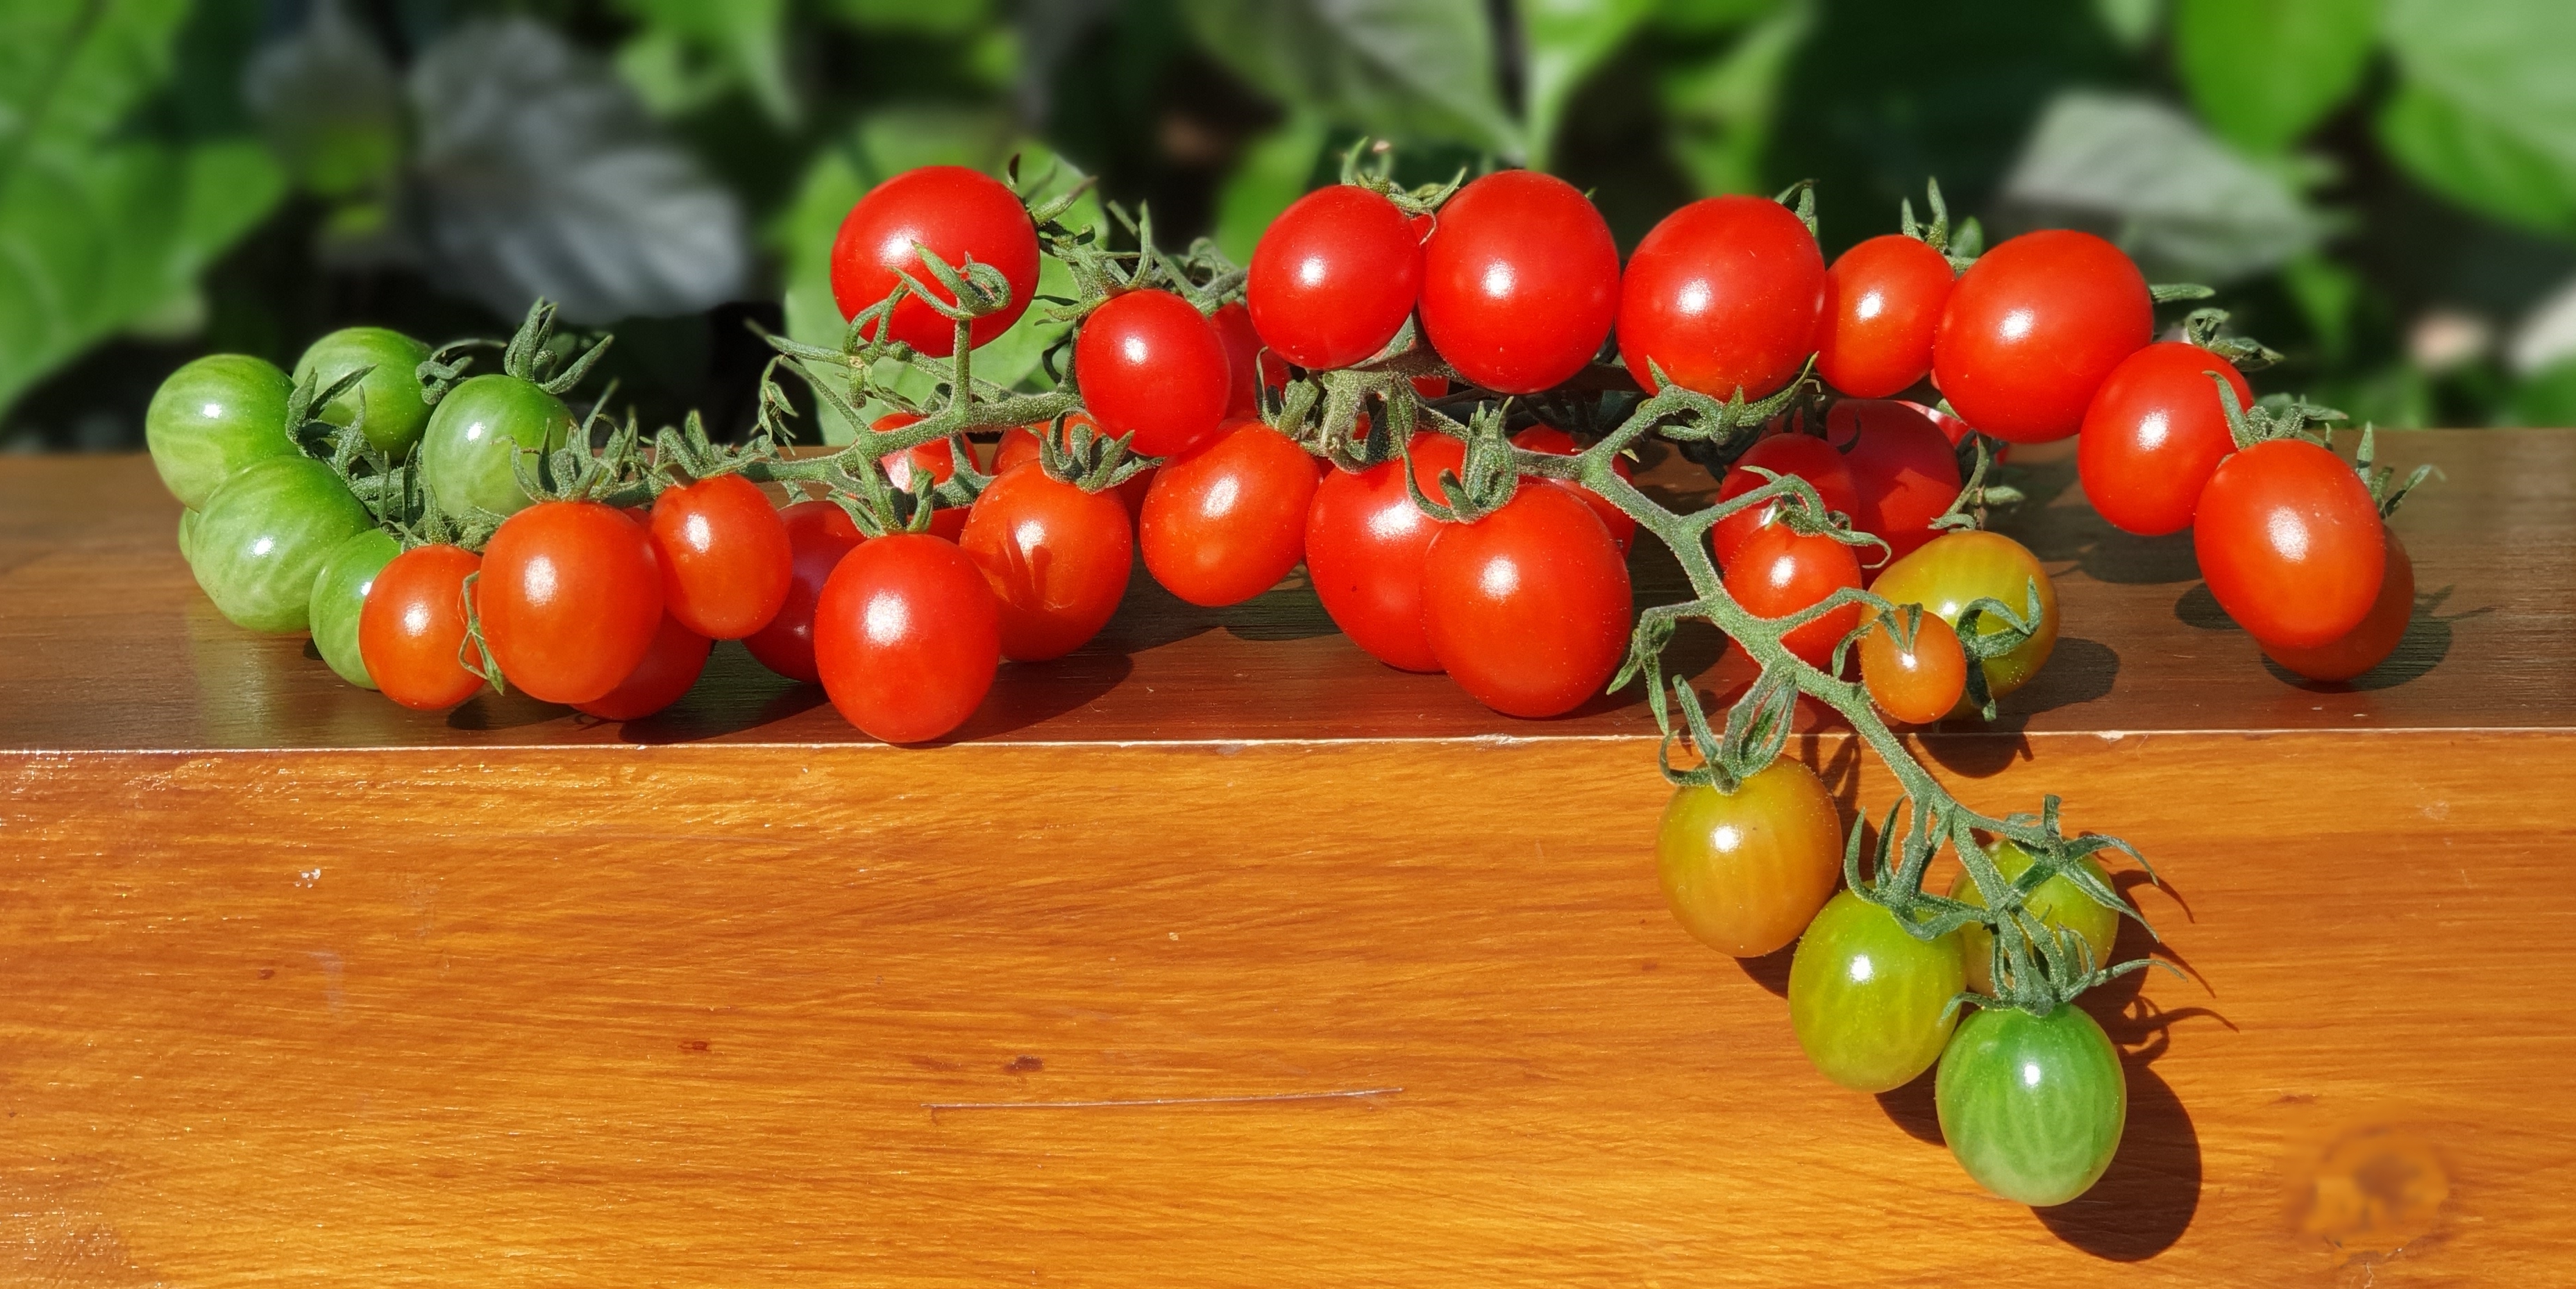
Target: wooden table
[1217, 954]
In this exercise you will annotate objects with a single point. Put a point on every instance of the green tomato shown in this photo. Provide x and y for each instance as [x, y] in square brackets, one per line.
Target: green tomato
[213, 418]
[2057, 902]
[396, 412]
[340, 592]
[187, 534]
[1869, 1002]
[1948, 573]
[262, 540]
[477, 430]
[2032, 1107]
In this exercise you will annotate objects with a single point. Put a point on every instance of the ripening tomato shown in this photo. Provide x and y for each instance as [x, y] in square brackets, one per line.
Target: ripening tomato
[1056, 557]
[670, 666]
[1365, 546]
[1955, 570]
[819, 533]
[907, 637]
[2290, 543]
[2153, 435]
[1225, 523]
[1804, 455]
[1556, 442]
[1904, 472]
[1243, 363]
[1019, 446]
[1883, 301]
[411, 630]
[1780, 571]
[1869, 1002]
[340, 598]
[724, 556]
[926, 465]
[1150, 366]
[1520, 281]
[1745, 872]
[1528, 608]
[214, 418]
[1915, 686]
[956, 213]
[2033, 327]
[1723, 295]
[2032, 1107]
[265, 535]
[2056, 903]
[2368, 645]
[569, 598]
[1334, 277]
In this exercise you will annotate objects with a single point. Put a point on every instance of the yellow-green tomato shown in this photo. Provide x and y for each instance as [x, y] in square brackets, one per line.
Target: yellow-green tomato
[187, 533]
[1950, 572]
[1746, 871]
[396, 413]
[2033, 1107]
[262, 539]
[1869, 1002]
[213, 418]
[478, 430]
[2057, 902]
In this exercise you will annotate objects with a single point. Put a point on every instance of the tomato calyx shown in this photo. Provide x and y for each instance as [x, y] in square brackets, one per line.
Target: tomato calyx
[1422, 199]
[1757, 730]
[1967, 512]
[1960, 246]
[2206, 329]
[1073, 452]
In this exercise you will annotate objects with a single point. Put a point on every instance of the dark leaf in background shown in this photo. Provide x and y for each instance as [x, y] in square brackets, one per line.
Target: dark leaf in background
[1408, 69]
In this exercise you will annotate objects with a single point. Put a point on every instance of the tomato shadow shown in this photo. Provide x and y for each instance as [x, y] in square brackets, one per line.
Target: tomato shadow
[487, 711]
[2199, 609]
[1150, 617]
[2147, 1198]
[2426, 643]
[2078, 671]
[1913, 1108]
[2078, 534]
[1771, 970]
[1032, 693]
[735, 693]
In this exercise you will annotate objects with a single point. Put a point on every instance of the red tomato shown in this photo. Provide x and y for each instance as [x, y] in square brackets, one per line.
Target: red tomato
[1226, 522]
[1056, 557]
[2290, 543]
[2154, 433]
[669, 668]
[819, 533]
[1334, 277]
[1723, 295]
[1883, 301]
[569, 599]
[1150, 366]
[960, 215]
[1365, 546]
[1528, 608]
[1019, 446]
[936, 462]
[1430, 386]
[1520, 281]
[907, 637]
[1914, 686]
[1780, 572]
[2368, 645]
[412, 627]
[1804, 455]
[2033, 327]
[1952, 428]
[724, 556]
[1243, 365]
[1902, 469]
[1549, 439]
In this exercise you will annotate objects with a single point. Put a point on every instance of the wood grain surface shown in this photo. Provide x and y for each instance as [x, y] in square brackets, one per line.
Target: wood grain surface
[1378, 986]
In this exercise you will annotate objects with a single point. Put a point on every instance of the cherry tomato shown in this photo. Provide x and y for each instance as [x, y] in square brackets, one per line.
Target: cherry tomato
[959, 215]
[1870, 1003]
[1746, 873]
[724, 556]
[933, 461]
[2033, 327]
[1549, 439]
[1804, 455]
[1150, 366]
[412, 628]
[2290, 543]
[396, 410]
[214, 418]
[1903, 470]
[1723, 295]
[340, 596]
[1520, 281]
[2153, 435]
[1883, 301]
[1334, 277]
[1954, 570]
[1226, 522]
[2365, 646]
[1056, 557]
[1528, 607]
[907, 636]
[1365, 546]
[819, 533]
[2032, 1107]
[570, 599]
[1915, 686]
[670, 666]
[1019, 446]
[264, 536]
[1781, 571]
[475, 434]
[1243, 364]
[2057, 903]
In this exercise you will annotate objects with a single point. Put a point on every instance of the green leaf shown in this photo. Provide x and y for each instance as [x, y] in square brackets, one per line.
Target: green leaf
[749, 35]
[2184, 203]
[1418, 70]
[2486, 112]
[2130, 22]
[1563, 41]
[933, 18]
[71, 72]
[2481, 163]
[1722, 111]
[2263, 72]
[1275, 170]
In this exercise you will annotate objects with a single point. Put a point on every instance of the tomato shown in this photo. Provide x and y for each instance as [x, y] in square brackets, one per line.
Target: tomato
[214, 418]
[1226, 522]
[724, 556]
[570, 599]
[1883, 301]
[340, 595]
[412, 629]
[1150, 366]
[1334, 277]
[671, 665]
[396, 411]
[187, 535]
[959, 214]
[1804, 455]
[1914, 686]
[1056, 557]
[907, 637]
[1723, 295]
[2365, 646]
[2058, 903]
[477, 431]
[1954, 570]
[2290, 543]
[1954, 429]
[2032, 1107]
[819, 533]
[2153, 435]
[1903, 470]
[263, 538]
[2033, 327]
[1870, 1003]
[1365, 546]
[926, 465]
[1019, 445]
[1528, 607]
[1243, 364]
[1781, 571]
[1556, 442]
[1520, 281]
[1746, 873]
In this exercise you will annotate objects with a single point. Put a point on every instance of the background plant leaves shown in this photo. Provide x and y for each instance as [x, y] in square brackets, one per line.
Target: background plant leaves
[2262, 72]
[1406, 69]
[2486, 114]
